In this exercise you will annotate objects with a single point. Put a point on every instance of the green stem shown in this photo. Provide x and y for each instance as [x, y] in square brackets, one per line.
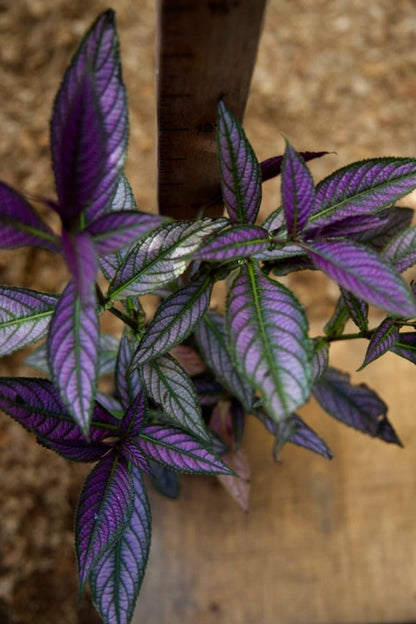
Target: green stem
[103, 301]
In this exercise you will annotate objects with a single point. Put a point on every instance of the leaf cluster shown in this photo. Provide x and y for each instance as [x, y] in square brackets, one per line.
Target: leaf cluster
[186, 381]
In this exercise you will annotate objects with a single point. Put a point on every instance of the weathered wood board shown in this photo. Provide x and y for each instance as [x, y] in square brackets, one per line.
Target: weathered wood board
[324, 542]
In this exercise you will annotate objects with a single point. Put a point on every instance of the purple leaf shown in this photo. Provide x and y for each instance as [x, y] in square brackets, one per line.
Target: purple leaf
[361, 227]
[80, 255]
[406, 346]
[294, 430]
[174, 319]
[161, 257]
[189, 359]
[384, 337]
[268, 336]
[165, 481]
[357, 309]
[280, 251]
[401, 251]
[176, 449]
[271, 167]
[20, 225]
[392, 221]
[361, 188]
[73, 353]
[89, 125]
[167, 384]
[116, 578]
[37, 406]
[104, 509]
[355, 405]
[107, 354]
[298, 191]
[134, 417]
[239, 168]
[211, 337]
[114, 230]
[134, 456]
[24, 317]
[123, 198]
[127, 380]
[110, 403]
[379, 284]
[239, 241]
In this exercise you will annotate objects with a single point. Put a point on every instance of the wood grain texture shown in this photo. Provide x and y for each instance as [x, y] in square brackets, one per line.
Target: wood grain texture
[324, 542]
[207, 50]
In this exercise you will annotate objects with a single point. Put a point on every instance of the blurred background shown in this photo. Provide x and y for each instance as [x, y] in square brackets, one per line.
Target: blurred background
[324, 541]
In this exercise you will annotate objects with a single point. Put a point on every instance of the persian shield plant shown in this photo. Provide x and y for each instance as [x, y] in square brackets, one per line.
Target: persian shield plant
[186, 381]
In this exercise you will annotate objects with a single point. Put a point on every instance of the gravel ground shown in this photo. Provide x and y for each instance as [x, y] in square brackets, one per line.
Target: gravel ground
[331, 75]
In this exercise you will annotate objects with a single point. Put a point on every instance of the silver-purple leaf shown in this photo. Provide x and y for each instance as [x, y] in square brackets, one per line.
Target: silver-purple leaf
[239, 168]
[392, 221]
[80, 255]
[20, 225]
[363, 187]
[298, 191]
[174, 320]
[114, 230]
[365, 273]
[355, 405]
[238, 241]
[115, 579]
[37, 406]
[294, 430]
[275, 223]
[405, 346]
[267, 331]
[212, 341]
[161, 257]
[384, 337]
[167, 384]
[73, 353]
[134, 456]
[104, 509]
[24, 317]
[401, 251]
[179, 450]
[127, 379]
[357, 309]
[89, 125]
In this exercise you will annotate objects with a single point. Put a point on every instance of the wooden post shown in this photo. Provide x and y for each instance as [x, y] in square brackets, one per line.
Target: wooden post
[206, 50]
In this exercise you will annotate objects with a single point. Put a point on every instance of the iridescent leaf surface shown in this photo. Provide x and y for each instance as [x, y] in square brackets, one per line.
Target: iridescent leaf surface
[405, 346]
[134, 417]
[20, 225]
[73, 353]
[298, 191]
[122, 198]
[80, 255]
[104, 509]
[401, 251]
[127, 380]
[239, 241]
[355, 405]
[239, 168]
[385, 336]
[392, 221]
[179, 450]
[363, 187]
[167, 384]
[212, 341]
[379, 284]
[116, 578]
[275, 223]
[89, 125]
[161, 257]
[174, 320]
[37, 406]
[268, 336]
[114, 230]
[357, 309]
[24, 317]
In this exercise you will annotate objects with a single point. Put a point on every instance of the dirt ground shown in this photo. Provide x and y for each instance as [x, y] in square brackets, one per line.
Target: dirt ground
[335, 75]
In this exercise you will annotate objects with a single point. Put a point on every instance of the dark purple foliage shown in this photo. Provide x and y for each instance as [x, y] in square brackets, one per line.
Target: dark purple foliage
[357, 309]
[127, 379]
[271, 167]
[384, 338]
[354, 405]
[401, 250]
[239, 241]
[405, 346]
